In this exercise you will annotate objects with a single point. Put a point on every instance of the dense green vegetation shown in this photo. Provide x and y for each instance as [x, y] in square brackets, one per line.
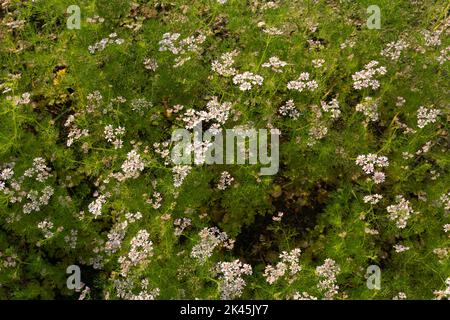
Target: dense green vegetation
[86, 179]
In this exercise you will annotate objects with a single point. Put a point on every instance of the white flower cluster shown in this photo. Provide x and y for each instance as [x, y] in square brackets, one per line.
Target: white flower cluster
[144, 295]
[150, 64]
[443, 294]
[400, 102]
[348, 43]
[97, 260]
[426, 116]
[131, 168]
[312, 26]
[303, 83]
[200, 148]
[394, 49]
[84, 293]
[140, 105]
[215, 111]
[371, 231]
[179, 61]
[13, 190]
[404, 127]
[155, 201]
[316, 132]
[444, 56]
[210, 238]
[224, 65]
[273, 31]
[25, 98]
[318, 63]
[117, 233]
[303, 296]
[193, 117]
[432, 38]
[442, 253]
[219, 112]
[36, 201]
[425, 148]
[180, 172]
[95, 100]
[12, 23]
[400, 296]
[75, 133]
[247, 80]
[400, 212]
[269, 5]
[72, 238]
[364, 78]
[289, 262]
[371, 163]
[289, 109]
[5, 87]
[39, 169]
[115, 237]
[278, 217]
[225, 180]
[95, 19]
[407, 155]
[180, 225]
[373, 199]
[5, 174]
[332, 107]
[8, 261]
[113, 135]
[445, 200]
[369, 108]
[162, 148]
[133, 217]
[175, 109]
[275, 64]
[327, 284]
[315, 44]
[400, 248]
[101, 45]
[141, 249]
[231, 282]
[95, 207]
[46, 227]
[170, 42]
[124, 289]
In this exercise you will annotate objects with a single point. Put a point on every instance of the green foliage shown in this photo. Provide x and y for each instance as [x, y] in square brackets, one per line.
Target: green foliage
[319, 188]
